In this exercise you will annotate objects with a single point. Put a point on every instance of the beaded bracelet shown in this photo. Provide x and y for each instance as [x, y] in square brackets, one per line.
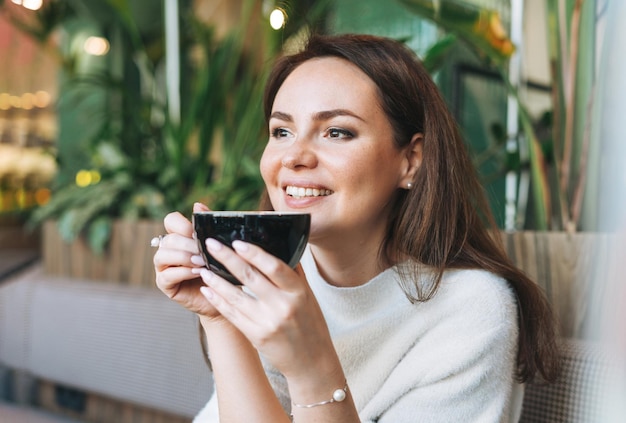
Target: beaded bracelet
[338, 396]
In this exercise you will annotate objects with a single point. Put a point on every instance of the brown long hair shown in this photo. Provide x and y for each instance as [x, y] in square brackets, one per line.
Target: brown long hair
[443, 221]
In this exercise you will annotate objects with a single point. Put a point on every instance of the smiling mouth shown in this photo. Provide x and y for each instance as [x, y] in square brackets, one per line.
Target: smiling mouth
[300, 192]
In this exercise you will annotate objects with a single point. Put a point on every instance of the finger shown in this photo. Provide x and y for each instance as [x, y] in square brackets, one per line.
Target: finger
[175, 241]
[231, 301]
[240, 268]
[175, 222]
[168, 280]
[199, 207]
[186, 293]
[165, 258]
[274, 269]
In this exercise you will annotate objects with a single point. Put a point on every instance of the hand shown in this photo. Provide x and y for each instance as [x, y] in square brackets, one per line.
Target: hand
[282, 318]
[178, 262]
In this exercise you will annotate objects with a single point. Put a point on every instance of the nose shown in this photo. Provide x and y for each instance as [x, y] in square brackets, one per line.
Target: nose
[299, 155]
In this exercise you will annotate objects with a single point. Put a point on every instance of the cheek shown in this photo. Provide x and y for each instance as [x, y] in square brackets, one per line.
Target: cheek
[266, 167]
[378, 177]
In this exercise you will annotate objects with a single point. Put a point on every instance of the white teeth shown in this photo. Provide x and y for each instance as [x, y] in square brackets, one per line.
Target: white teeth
[300, 192]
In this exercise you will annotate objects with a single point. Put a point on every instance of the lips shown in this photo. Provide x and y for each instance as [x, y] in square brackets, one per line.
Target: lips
[302, 192]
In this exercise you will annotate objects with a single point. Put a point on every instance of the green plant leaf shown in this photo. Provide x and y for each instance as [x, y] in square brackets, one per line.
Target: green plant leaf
[99, 233]
[66, 225]
[437, 53]
[149, 164]
[110, 156]
[480, 28]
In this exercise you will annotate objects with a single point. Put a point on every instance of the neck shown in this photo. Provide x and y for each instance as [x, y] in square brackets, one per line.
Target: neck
[347, 266]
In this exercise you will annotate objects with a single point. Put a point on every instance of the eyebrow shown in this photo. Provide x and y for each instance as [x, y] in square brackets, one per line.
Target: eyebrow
[319, 116]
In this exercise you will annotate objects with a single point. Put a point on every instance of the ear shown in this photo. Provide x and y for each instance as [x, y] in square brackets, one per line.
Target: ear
[413, 160]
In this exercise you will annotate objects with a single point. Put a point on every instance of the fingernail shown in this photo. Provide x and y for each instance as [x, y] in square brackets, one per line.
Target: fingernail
[207, 292]
[206, 275]
[240, 246]
[213, 244]
[198, 207]
[197, 260]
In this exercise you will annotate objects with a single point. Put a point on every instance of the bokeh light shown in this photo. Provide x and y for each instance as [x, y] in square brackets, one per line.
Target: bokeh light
[96, 46]
[277, 19]
[83, 178]
[42, 99]
[5, 101]
[28, 101]
[42, 196]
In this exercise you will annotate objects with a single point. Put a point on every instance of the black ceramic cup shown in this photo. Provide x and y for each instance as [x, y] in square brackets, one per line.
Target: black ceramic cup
[281, 234]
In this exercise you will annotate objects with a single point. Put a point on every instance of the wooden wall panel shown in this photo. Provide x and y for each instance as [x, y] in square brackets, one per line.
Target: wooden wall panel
[127, 260]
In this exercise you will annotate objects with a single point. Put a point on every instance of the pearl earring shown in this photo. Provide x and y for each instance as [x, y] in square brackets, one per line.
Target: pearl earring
[409, 185]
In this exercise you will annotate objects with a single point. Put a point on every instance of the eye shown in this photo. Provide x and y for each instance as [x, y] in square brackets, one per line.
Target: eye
[339, 133]
[279, 133]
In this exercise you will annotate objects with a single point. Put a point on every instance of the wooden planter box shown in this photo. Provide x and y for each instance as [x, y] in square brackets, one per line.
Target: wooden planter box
[127, 260]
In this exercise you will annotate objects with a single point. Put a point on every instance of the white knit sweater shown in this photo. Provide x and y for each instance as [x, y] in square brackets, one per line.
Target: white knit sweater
[450, 359]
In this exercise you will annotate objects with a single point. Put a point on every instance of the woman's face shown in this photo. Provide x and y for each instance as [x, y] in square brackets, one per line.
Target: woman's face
[331, 151]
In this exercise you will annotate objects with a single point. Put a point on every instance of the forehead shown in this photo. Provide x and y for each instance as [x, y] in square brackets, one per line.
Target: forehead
[326, 82]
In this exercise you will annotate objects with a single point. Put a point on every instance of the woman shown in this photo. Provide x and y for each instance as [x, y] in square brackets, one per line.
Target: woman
[403, 308]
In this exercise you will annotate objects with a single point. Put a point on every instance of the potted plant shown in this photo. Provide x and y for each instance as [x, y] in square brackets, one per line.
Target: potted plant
[140, 163]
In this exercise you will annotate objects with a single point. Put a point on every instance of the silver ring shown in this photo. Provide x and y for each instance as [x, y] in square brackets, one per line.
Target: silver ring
[156, 241]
